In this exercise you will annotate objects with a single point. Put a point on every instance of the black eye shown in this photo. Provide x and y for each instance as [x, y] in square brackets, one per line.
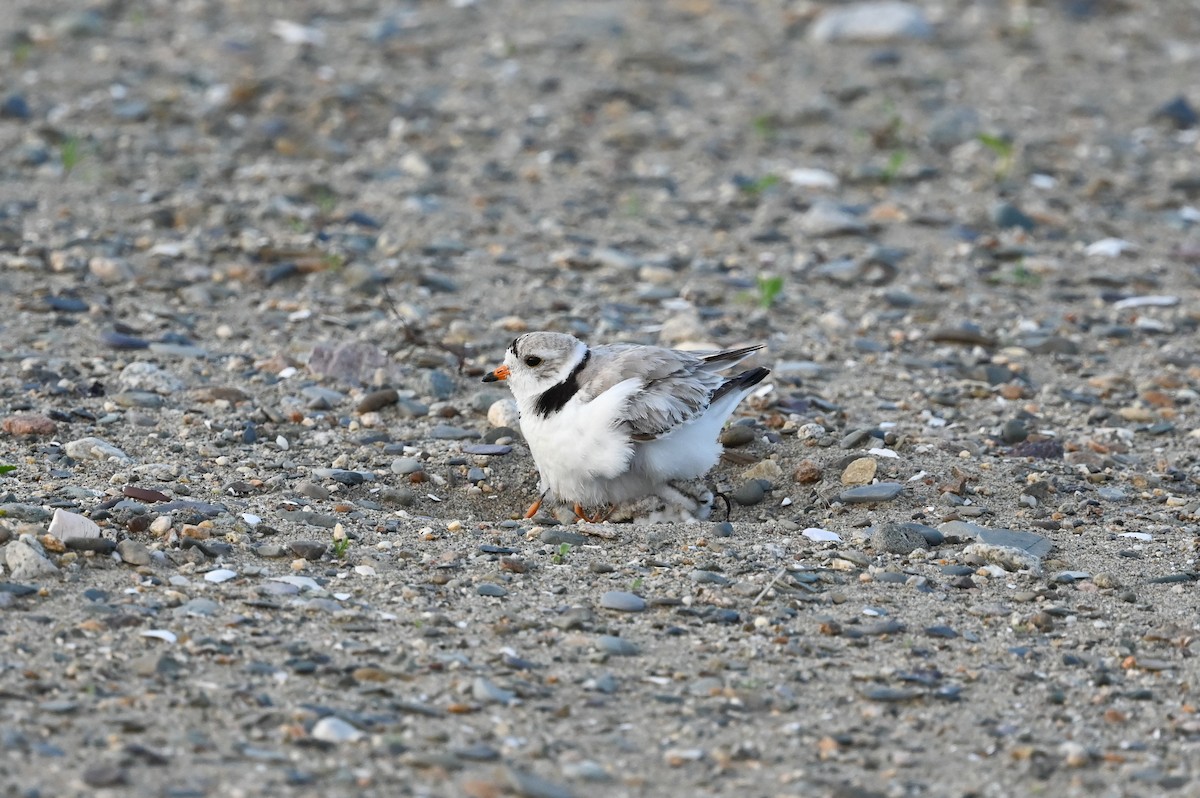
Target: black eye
[533, 361]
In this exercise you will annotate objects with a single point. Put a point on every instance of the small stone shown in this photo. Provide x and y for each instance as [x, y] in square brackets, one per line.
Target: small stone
[219, 575]
[504, 413]
[557, 537]
[489, 589]
[406, 465]
[737, 435]
[860, 471]
[92, 448]
[872, 22]
[29, 425]
[1006, 215]
[145, 376]
[879, 492]
[69, 526]
[105, 775]
[896, 538]
[1014, 431]
[398, 497]
[487, 449]
[377, 400]
[767, 470]
[528, 785]
[312, 490]
[308, 549]
[445, 432]
[487, 692]
[807, 472]
[27, 560]
[332, 729]
[133, 552]
[617, 646]
[622, 601]
[749, 493]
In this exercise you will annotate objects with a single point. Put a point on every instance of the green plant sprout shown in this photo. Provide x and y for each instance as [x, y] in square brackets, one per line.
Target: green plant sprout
[561, 555]
[769, 289]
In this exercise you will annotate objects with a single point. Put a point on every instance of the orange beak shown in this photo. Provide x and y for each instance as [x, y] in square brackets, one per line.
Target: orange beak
[498, 374]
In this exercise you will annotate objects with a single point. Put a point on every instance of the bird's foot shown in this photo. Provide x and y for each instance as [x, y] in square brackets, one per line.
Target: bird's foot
[533, 508]
[596, 518]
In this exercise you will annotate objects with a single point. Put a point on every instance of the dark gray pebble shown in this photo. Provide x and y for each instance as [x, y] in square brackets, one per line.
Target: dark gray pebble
[376, 400]
[489, 589]
[616, 646]
[894, 538]
[622, 601]
[344, 476]
[308, 549]
[879, 492]
[556, 537]
[445, 432]
[944, 632]
[737, 435]
[748, 493]
[488, 449]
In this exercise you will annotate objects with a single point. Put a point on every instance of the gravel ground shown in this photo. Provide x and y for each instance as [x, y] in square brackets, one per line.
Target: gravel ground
[261, 528]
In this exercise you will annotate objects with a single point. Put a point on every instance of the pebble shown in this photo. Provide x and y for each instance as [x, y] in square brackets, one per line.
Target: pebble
[377, 400]
[826, 219]
[344, 476]
[488, 692]
[529, 785]
[406, 465]
[68, 526]
[860, 471]
[92, 448]
[487, 449]
[807, 472]
[895, 538]
[332, 729]
[765, 470]
[504, 413]
[622, 601]
[148, 377]
[737, 435]
[445, 432]
[492, 590]
[1036, 545]
[557, 537]
[617, 646]
[219, 575]
[879, 492]
[308, 549]
[29, 425]
[133, 552]
[749, 493]
[312, 490]
[27, 560]
[871, 22]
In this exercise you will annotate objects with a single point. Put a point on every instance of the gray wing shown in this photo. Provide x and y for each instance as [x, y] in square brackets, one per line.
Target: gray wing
[676, 386]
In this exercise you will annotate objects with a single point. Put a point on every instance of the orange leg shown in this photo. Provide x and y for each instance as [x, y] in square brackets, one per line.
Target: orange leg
[533, 508]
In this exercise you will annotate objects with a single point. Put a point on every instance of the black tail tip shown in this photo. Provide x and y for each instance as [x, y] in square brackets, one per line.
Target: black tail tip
[753, 376]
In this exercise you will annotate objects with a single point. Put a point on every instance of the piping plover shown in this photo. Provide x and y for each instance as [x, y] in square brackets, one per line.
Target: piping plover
[622, 422]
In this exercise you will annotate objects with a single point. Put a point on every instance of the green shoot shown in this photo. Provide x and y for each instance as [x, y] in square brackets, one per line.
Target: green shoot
[758, 187]
[341, 547]
[894, 164]
[769, 289]
[1003, 150]
[70, 154]
[764, 125]
[636, 585]
[561, 555]
[4, 469]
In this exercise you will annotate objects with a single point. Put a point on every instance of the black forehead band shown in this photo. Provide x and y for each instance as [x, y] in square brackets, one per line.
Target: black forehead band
[513, 347]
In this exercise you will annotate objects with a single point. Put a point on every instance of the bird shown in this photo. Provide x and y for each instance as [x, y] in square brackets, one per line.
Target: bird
[617, 423]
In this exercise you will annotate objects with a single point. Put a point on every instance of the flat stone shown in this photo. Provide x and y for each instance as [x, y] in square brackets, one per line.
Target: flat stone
[737, 435]
[446, 432]
[133, 552]
[27, 560]
[617, 646]
[29, 425]
[489, 589]
[487, 449]
[308, 549]
[332, 729]
[344, 476]
[92, 448]
[70, 526]
[145, 376]
[749, 493]
[872, 22]
[622, 601]
[896, 538]
[529, 785]
[879, 492]
[860, 471]
[1036, 545]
